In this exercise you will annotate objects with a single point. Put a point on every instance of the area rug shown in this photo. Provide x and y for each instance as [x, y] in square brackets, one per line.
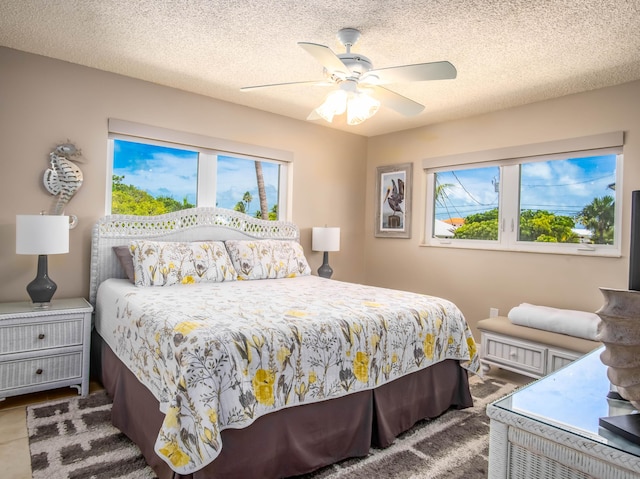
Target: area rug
[74, 439]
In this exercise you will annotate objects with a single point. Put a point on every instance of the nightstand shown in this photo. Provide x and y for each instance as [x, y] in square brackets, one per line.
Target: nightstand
[44, 348]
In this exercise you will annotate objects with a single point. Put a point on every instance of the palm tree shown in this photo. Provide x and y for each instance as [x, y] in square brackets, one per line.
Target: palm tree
[240, 207]
[598, 216]
[441, 193]
[264, 207]
[247, 199]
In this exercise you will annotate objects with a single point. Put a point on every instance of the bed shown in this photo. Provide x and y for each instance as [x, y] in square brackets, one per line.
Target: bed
[225, 358]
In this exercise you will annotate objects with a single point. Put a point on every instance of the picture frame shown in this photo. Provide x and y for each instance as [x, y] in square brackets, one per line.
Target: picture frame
[393, 201]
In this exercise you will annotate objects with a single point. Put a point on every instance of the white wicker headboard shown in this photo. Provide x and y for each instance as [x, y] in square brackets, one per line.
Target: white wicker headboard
[185, 225]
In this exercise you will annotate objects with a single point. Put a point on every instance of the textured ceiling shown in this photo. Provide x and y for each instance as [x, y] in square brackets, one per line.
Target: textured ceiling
[507, 52]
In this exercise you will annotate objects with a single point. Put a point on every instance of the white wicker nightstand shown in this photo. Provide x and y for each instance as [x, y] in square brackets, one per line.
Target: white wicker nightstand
[44, 348]
[550, 428]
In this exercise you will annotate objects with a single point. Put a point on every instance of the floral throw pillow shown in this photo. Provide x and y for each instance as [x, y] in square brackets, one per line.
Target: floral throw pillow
[267, 259]
[158, 263]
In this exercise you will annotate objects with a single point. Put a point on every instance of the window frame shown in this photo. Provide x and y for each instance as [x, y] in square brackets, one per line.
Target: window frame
[509, 161]
[208, 149]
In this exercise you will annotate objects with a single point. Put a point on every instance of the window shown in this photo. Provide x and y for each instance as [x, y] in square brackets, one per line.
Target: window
[568, 201]
[557, 203]
[237, 185]
[151, 179]
[467, 203]
[156, 176]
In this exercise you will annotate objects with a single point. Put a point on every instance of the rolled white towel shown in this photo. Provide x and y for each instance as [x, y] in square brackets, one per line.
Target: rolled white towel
[580, 324]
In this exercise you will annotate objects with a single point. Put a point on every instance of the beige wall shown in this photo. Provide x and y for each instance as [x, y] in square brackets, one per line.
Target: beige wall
[44, 102]
[477, 280]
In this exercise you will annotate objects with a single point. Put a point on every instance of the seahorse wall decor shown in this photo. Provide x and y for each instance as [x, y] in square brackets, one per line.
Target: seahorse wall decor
[63, 178]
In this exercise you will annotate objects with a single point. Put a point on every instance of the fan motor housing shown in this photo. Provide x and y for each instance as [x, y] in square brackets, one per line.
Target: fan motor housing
[356, 63]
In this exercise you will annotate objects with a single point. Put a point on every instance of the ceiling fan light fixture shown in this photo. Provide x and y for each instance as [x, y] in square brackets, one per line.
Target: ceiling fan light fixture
[349, 71]
[358, 105]
[361, 107]
[334, 104]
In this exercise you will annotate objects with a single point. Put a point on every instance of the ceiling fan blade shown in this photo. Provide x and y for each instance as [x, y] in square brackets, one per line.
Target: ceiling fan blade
[313, 82]
[326, 57]
[409, 73]
[395, 101]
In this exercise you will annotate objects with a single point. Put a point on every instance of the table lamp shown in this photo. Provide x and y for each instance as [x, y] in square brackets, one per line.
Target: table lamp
[42, 235]
[325, 239]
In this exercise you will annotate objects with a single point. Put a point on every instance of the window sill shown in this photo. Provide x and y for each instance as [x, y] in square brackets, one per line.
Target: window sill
[559, 249]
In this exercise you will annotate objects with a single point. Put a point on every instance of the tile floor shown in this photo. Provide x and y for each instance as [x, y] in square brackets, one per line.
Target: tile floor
[14, 443]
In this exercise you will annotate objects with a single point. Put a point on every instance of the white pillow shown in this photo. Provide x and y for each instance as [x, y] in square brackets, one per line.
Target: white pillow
[581, 324]
[158, 263]
[267, 259]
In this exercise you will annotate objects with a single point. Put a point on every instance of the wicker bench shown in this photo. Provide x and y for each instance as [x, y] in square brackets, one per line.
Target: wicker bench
[529, 351]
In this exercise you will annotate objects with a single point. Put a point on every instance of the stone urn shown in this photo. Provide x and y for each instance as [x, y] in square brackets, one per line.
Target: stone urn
[619, 331]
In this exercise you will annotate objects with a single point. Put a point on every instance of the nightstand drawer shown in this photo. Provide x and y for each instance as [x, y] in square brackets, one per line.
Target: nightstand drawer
[38, 370]
[42, 335]
[524, 355]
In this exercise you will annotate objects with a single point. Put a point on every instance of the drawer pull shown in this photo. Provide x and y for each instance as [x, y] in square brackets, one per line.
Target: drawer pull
[513, 354]
[39, 371]
[41, 336]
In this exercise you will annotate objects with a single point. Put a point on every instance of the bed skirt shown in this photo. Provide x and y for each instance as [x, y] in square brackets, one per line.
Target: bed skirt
[298, 439]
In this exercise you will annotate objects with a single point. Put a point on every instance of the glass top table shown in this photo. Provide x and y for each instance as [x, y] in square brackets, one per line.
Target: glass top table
[573, 399]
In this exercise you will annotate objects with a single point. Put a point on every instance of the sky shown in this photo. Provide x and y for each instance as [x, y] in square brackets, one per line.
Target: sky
[163, 171]
[562, 187]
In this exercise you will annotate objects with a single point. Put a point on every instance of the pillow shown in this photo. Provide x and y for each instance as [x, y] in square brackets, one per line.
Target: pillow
[158, 263]
[581, 324]
[267, 259]
[126, 261]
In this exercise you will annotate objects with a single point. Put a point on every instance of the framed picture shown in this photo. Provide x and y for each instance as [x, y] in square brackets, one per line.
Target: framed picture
[393, 201]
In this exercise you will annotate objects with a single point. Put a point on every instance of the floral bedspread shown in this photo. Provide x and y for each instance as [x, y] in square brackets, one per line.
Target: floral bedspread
[220, 355]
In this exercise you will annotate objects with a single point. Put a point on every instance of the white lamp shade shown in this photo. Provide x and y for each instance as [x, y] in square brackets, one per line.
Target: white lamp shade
[325, 239]
[42, 234]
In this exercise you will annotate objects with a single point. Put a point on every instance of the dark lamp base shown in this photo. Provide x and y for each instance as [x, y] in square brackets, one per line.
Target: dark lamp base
[42, 289]
[325, 271]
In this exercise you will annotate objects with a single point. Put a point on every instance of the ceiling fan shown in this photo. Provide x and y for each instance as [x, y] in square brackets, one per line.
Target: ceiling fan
[359, 91]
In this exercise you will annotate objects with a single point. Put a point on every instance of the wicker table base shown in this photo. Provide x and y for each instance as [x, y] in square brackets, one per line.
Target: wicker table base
[549, 429]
